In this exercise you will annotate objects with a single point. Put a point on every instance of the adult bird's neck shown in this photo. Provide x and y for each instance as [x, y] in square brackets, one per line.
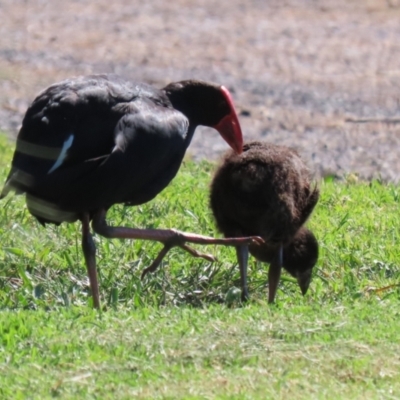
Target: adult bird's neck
[209, 105]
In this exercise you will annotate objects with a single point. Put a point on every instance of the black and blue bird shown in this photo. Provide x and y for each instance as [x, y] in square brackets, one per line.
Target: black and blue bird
[90, 142]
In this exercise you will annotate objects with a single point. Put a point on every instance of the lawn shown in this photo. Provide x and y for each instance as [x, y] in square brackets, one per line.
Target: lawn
[173, 335]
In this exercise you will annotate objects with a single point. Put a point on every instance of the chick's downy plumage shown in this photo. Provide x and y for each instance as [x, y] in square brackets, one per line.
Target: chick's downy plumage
[267, 191]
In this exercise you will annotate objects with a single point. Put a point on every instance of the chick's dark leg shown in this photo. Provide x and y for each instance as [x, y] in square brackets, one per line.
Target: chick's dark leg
[242, 253]
[274, 275]
[89, 251]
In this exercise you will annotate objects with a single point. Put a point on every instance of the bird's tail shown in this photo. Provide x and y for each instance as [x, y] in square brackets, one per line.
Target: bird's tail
[15, 181]
[310, 202]
[6, 188]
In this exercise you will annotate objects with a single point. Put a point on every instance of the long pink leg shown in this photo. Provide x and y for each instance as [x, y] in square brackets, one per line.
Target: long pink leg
[169, 237]
[89, 251]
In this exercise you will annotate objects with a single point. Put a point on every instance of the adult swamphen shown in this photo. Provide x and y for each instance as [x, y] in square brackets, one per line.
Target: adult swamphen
[267, 191]
[91, 142]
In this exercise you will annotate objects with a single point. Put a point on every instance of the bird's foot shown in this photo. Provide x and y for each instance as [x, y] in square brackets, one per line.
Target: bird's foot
[156, 263]
[169, 237]
[179, 239]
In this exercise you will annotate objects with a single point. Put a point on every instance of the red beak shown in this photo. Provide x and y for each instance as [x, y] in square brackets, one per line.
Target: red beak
[229, 127]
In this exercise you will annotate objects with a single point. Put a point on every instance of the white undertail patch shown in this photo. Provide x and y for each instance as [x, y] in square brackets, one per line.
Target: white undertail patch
[67, 144]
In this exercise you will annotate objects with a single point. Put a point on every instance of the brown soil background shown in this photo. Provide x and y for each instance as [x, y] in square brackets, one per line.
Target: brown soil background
[299, 70]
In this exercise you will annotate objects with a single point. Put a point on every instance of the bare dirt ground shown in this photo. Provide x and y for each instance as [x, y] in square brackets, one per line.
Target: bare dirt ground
[302, 72]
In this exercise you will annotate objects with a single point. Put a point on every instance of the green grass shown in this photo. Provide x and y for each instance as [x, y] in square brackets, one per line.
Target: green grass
[172, 335]
[291, 351]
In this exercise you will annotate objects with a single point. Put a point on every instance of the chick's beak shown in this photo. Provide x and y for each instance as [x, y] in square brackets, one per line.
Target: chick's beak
[304, 279]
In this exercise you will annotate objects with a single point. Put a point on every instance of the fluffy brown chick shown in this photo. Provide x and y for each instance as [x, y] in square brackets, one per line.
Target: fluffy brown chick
[267, 191]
